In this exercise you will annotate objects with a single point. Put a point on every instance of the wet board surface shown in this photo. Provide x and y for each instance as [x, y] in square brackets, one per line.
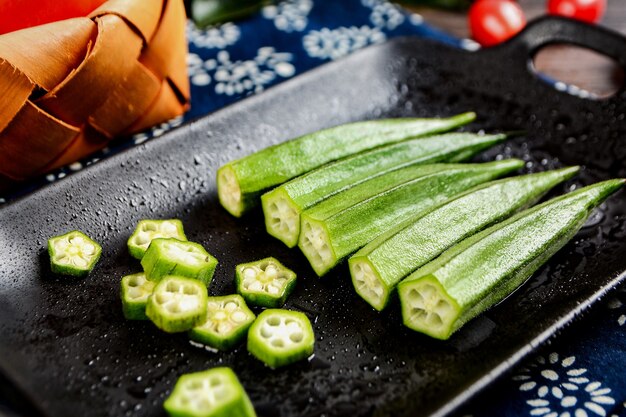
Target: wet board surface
[67, 347]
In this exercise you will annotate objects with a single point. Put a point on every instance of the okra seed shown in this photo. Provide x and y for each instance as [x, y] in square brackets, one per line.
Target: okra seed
[135, 281]
[215, 382]
[273, 321]
[135, 292]
[239, 316]
[224, 327]
[231, 306]
[149, 227]
[249, 273]
[169, 228]
[266, 332]
[278, 343]
[296, 337]
[219, 315]
[172, 287]
[194, 385]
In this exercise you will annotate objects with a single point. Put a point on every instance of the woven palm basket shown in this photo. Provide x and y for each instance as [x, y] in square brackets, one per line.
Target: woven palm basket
[71, 86]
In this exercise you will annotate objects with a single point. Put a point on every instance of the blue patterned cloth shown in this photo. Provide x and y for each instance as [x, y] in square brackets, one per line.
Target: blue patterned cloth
[580, 375]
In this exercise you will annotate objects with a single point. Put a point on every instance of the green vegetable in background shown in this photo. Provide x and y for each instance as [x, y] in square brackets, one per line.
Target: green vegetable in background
[345, 222]
[240, 183]
[482, 270]
[382, 263]
[283, 205]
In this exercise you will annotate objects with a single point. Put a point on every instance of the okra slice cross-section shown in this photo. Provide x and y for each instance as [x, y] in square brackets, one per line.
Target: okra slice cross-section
[381, 264]
[135, 291]
[177, 304]
[73, 253]
[265, 283]
[482, 270]
[147, 230]
[281, 337]
[174, 257]
[226, 323]
[213, 393]
[283, 205]
[241, 182]
[345, 222]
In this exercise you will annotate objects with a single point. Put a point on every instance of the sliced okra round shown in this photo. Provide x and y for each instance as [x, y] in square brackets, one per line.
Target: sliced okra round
[213, 393]
[177, 304]
[148, 230]
[73, 253]
[226, 323]
[281, 337]
[135, 291]
[169, 256]
[265, 283]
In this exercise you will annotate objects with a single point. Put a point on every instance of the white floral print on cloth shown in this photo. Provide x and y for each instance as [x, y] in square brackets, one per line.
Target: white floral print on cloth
[559, 388]
[236, 77]
[336, 43]
[217, 37]
[384, 14]
[289, 15]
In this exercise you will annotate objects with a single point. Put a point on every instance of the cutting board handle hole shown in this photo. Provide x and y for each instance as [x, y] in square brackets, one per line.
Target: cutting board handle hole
[577, 70]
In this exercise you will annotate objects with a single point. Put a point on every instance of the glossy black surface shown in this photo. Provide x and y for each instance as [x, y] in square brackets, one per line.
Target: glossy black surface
[66, 344]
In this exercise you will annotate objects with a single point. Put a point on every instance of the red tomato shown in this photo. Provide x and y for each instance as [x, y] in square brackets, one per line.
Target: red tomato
[586, 10]
[20, 14]
[494, 21]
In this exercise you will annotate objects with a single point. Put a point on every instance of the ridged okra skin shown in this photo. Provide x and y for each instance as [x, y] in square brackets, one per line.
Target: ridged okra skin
[148, 230]
[177, 304]
[381, 264]
[343, 223]
[240, 183]
[73, 253]
[265, 283]
[283, 205]
[226, 323]
[281, 337]
[216, 392]
[482, 270]
[169, 256]
[135, 291]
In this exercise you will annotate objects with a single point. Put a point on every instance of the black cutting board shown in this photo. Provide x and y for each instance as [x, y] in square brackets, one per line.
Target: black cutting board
[65, 344]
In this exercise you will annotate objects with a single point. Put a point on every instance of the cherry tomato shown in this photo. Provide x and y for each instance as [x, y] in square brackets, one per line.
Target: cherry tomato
[494, 21]
[20, 14]
[586, 10]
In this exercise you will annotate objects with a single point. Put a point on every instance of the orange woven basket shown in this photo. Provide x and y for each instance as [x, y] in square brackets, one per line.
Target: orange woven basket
[71, 86]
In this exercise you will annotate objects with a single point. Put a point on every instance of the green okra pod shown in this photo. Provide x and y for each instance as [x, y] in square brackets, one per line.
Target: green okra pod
[381, 264]
[213, 393]
[240, 183]
[73, 253]
[283, 205]
[226, 323]
[345, 222]
[482, 270]
[281, 337]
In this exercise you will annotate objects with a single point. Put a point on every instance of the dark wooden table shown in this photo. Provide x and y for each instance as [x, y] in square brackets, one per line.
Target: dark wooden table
[585, 69]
